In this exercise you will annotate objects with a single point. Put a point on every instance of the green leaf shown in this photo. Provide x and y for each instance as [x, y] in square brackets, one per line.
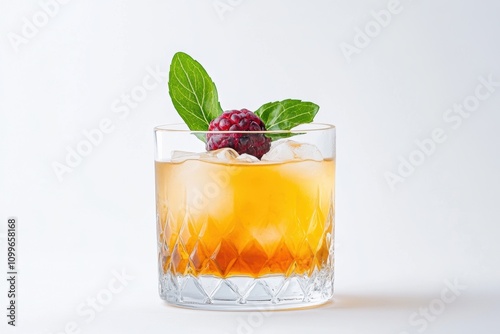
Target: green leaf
[193, 92]
[285, 115]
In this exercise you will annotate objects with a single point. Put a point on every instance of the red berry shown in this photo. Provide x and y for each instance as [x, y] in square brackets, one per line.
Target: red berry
[256, 144]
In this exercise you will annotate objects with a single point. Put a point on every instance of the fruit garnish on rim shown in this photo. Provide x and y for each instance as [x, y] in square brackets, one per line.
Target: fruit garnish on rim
[194, 96]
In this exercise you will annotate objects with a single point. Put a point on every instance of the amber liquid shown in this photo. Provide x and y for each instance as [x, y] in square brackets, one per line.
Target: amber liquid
[244, 219]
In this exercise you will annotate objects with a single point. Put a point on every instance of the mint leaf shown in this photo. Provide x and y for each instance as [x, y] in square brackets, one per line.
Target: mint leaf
[285, 115]
[193, 92]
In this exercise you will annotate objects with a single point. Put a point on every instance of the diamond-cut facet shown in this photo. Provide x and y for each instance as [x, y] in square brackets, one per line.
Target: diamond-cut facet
[224, 256]
[254, 256]
[259, 292]
[225, 293]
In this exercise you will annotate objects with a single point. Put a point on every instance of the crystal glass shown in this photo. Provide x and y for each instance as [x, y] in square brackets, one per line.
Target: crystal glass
[238, 233]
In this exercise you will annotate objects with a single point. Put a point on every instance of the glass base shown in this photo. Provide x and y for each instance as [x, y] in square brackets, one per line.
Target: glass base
[273, 292]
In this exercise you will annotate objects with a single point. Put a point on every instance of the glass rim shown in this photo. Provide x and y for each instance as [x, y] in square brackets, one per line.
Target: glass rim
[313, 127]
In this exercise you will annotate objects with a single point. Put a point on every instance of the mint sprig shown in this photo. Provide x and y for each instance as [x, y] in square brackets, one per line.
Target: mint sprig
[193, 92]
[195, 98]
[285, 115]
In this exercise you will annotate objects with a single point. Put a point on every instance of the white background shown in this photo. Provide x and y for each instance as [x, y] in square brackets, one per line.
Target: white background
[395, 247]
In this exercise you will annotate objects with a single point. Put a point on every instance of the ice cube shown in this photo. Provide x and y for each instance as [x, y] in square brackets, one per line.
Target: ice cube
[224, 154]
[247, 158]
[280, 151]
[180, 156]
[291, 150]
[220, 155]
[228, 155]
[308, 152]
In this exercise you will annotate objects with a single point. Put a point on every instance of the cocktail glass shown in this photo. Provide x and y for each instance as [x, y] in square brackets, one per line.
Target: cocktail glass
[238, 233]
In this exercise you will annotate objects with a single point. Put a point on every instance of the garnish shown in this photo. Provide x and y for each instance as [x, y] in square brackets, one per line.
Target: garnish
[193, 92]
[195, 98]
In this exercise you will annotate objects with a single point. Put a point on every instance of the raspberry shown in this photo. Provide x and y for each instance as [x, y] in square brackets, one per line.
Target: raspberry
[255, 144]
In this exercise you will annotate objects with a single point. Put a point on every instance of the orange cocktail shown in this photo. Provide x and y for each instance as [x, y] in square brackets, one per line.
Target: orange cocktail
[244, 219]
